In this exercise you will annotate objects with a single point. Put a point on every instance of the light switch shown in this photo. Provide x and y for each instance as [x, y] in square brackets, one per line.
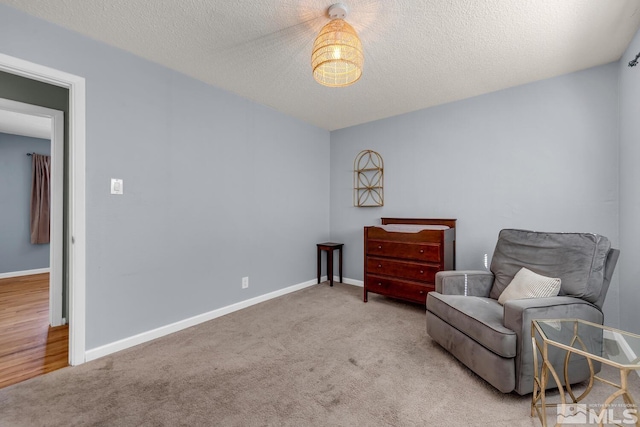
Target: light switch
[116, 186]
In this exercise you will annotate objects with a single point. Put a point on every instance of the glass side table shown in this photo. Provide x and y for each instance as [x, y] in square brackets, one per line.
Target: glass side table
[586, 339]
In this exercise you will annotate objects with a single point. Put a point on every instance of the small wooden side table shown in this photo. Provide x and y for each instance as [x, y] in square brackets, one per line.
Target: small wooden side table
[329, 247]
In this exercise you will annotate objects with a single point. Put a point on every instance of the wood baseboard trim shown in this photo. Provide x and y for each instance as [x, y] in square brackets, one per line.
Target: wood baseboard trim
[23, 273]
[104, 350]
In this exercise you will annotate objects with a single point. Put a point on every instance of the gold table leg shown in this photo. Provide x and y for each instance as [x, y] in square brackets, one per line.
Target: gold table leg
[566, 368]
[538, 399]
[623, 390]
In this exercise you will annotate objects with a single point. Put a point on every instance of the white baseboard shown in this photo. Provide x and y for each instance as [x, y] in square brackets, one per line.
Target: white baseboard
[24, 273]
[153, 334]
[348, 281]
[345, 280]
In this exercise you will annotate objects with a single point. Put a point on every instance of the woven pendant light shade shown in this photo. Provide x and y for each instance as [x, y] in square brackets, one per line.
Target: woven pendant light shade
[337, 57]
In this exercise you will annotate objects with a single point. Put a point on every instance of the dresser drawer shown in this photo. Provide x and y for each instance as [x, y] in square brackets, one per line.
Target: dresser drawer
[402, 269]
[403, 289]
[419, 251]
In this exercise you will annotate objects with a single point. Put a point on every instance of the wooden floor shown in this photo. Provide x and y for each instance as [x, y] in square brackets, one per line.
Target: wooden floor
[28, 346]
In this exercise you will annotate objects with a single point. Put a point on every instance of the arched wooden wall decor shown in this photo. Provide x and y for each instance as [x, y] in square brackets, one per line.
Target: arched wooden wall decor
[368, 179]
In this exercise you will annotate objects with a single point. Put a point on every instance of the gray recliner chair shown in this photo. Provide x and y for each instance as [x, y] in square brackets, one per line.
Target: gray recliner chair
[464, 316]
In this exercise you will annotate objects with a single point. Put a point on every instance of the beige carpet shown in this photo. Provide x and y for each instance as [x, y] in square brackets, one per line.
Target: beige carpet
[319, 356]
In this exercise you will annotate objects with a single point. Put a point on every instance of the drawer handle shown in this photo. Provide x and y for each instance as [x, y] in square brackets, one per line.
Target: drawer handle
[379, 284]
[379, 246]
[379, 265]
[421, 271]
[421, 251]
[421, 292]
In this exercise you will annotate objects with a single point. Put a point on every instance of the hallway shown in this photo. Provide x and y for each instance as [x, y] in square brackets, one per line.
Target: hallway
[28, 346]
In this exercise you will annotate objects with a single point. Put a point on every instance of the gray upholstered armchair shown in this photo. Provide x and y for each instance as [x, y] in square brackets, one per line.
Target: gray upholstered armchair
[494, 340]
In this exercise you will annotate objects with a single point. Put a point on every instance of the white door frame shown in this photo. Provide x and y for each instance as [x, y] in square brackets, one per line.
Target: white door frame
[56, 136]
[76, 192]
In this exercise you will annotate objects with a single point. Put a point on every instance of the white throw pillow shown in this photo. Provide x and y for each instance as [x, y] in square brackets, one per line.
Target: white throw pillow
[527, 284]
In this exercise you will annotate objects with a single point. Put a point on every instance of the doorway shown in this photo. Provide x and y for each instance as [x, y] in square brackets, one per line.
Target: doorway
[75, 188]
[33, 337]
[28, 120]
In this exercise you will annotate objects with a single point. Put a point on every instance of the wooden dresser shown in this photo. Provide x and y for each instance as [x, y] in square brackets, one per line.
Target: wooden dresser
[401, 261]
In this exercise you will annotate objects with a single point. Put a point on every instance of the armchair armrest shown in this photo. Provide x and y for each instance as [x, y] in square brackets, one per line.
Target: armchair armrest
[518, 315]
[479, 282]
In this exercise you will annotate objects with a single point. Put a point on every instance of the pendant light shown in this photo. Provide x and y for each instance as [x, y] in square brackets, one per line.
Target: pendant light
[337, 56]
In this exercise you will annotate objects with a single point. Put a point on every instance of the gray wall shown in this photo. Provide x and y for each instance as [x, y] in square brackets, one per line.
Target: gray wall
[542, 156]
[215, 187]
[16, 251]
[629, 194]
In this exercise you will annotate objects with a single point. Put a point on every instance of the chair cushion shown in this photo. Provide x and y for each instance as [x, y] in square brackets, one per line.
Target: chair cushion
[578, 259]
[527, 284]
[478, 317]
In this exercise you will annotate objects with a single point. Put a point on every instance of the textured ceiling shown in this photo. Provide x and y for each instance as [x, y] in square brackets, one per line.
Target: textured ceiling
[418, 53]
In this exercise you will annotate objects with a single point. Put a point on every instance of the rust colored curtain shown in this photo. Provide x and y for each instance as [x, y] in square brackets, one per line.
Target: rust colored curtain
[40, 198]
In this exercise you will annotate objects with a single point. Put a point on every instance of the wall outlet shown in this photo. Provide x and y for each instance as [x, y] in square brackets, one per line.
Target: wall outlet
[245, 282]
